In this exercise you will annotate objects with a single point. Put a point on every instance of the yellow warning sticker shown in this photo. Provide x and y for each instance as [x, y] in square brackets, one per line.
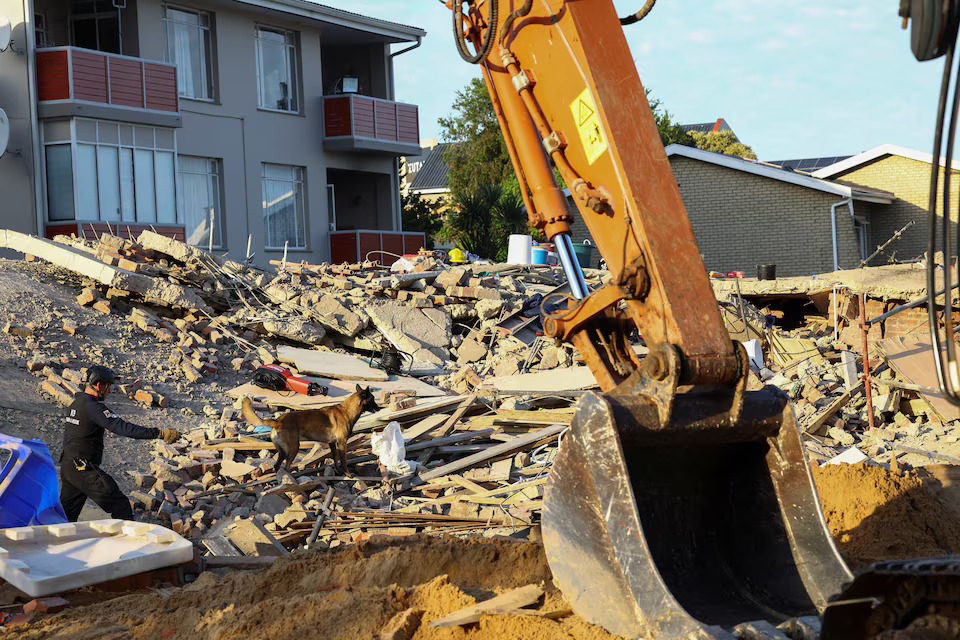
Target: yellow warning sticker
[585, 114]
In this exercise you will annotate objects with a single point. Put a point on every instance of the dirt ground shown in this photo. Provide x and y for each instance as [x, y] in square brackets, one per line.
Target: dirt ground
[44, 295]
[346, 595]
[875, 514]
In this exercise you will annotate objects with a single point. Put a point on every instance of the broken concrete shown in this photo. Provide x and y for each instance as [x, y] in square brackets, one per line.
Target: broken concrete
[425, 334]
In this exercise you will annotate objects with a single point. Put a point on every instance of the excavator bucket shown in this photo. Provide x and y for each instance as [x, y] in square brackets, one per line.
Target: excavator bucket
[688, 530]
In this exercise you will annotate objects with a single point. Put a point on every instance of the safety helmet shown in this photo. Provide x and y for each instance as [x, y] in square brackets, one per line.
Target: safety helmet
[99, 373]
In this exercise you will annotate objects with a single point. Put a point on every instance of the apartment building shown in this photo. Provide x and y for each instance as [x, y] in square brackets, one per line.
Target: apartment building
[220, 122]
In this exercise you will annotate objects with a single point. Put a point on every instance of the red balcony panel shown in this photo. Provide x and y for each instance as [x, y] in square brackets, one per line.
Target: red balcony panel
[413, 242]
[126, 82]
[392, 242]
[161, 86]
[386, 115]
[408, 124]
[353, 246]
[336, 116]
[106, 78]
[363, 117]
[89, 76]
[362, 123]
[53, 75]
[368, 241]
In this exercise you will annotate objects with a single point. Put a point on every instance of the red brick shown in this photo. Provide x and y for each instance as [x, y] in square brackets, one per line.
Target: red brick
[70, 327]
[45, 605]
[102, 306]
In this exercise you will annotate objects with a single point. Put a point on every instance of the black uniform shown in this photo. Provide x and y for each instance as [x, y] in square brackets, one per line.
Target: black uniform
[80, 473]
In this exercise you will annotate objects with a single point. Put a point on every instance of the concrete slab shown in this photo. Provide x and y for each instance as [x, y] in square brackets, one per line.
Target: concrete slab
[423, 333]
[47, 559]
[85, 265]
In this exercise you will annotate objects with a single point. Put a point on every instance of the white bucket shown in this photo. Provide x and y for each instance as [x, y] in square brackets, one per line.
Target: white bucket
[518, 249]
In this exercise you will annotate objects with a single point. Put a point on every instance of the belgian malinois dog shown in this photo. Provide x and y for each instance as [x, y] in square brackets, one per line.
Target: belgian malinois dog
[332, 425]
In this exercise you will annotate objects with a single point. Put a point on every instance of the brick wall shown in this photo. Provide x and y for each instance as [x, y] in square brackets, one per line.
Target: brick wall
[741, 220]
[910, 322]
[909, 180]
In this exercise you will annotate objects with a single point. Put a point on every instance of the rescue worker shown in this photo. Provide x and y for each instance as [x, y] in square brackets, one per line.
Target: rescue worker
[80, 474]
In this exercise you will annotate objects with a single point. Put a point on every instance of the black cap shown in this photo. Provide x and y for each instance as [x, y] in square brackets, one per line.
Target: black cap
[98, 373]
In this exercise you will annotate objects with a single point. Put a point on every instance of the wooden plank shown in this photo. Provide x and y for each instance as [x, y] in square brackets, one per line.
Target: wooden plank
[569, 379]
[513, 599]
[498, 450]
[470, 497]
[424, 406]
[329, 364]
[423, 427]
[824, 415]
[220, 546]
[239, 562]
[276, 543]
[912, 358]
[449, 425]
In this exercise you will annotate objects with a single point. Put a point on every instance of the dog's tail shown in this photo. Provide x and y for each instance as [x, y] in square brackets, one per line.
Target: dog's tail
[251, 416]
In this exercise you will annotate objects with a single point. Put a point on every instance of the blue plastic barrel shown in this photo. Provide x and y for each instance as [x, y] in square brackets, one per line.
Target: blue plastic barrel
[29, 490]
[538, 255]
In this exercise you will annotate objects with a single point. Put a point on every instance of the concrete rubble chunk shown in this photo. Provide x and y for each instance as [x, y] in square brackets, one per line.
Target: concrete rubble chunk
[423, 333]
[296, 329]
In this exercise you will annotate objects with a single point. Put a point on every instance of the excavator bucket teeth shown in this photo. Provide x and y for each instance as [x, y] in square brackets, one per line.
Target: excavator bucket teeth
[689, 529]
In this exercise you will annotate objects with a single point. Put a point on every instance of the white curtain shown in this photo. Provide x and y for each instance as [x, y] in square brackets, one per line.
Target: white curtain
[283, 213]
[199, 193]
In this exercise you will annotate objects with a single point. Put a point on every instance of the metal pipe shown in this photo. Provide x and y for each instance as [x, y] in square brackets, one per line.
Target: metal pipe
[321, 517]
[864, 328]
[910, 305]
[568, 259]
[833, 225]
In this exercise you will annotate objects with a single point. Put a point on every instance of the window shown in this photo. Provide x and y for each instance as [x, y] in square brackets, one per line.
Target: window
[198, 183]
[283, 208]
[40, 30]
[95, 25]
[278, 88]
[189, 47]
[100, 173]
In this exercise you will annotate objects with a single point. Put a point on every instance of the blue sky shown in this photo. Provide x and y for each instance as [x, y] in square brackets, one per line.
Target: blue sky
[793, 78]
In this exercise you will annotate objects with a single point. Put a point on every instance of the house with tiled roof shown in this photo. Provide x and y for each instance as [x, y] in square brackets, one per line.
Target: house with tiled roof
[746, 213]
[905, 172]
[219, 122]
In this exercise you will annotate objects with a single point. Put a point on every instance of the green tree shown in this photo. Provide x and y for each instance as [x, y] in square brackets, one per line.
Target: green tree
[670, 131]
[723, 142]
[419, 216]
[480, 156]
[482, 220]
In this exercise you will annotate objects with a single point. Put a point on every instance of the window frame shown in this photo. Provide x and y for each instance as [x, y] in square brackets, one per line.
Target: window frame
[74, 142]
[302, 182]
[213, 86]
[295, 76]
[219, 216]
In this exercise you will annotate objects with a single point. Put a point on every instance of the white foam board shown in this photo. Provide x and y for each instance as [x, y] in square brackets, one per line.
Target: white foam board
[46, 559]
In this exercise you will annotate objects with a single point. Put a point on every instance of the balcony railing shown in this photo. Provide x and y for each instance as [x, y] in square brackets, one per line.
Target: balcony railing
[361, 123]
[86, 77]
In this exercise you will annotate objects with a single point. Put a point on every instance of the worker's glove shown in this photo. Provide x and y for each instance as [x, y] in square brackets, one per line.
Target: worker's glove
[169, 435]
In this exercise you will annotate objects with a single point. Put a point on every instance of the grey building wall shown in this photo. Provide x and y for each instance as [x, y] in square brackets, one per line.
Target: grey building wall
[244, 137]
[231, 128]
[18, 206]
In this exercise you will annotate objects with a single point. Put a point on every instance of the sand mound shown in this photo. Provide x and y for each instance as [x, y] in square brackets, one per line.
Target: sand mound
[875, 514]
[336, 596]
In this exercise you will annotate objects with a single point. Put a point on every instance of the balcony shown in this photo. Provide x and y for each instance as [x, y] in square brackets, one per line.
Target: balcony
[361, 123]
[82, 82]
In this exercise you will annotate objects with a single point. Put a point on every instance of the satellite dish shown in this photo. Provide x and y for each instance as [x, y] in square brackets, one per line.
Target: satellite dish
[4, 33]
[4, 132]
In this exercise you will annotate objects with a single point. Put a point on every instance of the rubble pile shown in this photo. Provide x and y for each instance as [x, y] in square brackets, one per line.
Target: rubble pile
[479, 458]
[484, 473]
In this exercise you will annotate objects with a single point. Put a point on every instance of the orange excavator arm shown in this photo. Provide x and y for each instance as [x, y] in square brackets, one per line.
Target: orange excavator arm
[567, 94]
[679, 502]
